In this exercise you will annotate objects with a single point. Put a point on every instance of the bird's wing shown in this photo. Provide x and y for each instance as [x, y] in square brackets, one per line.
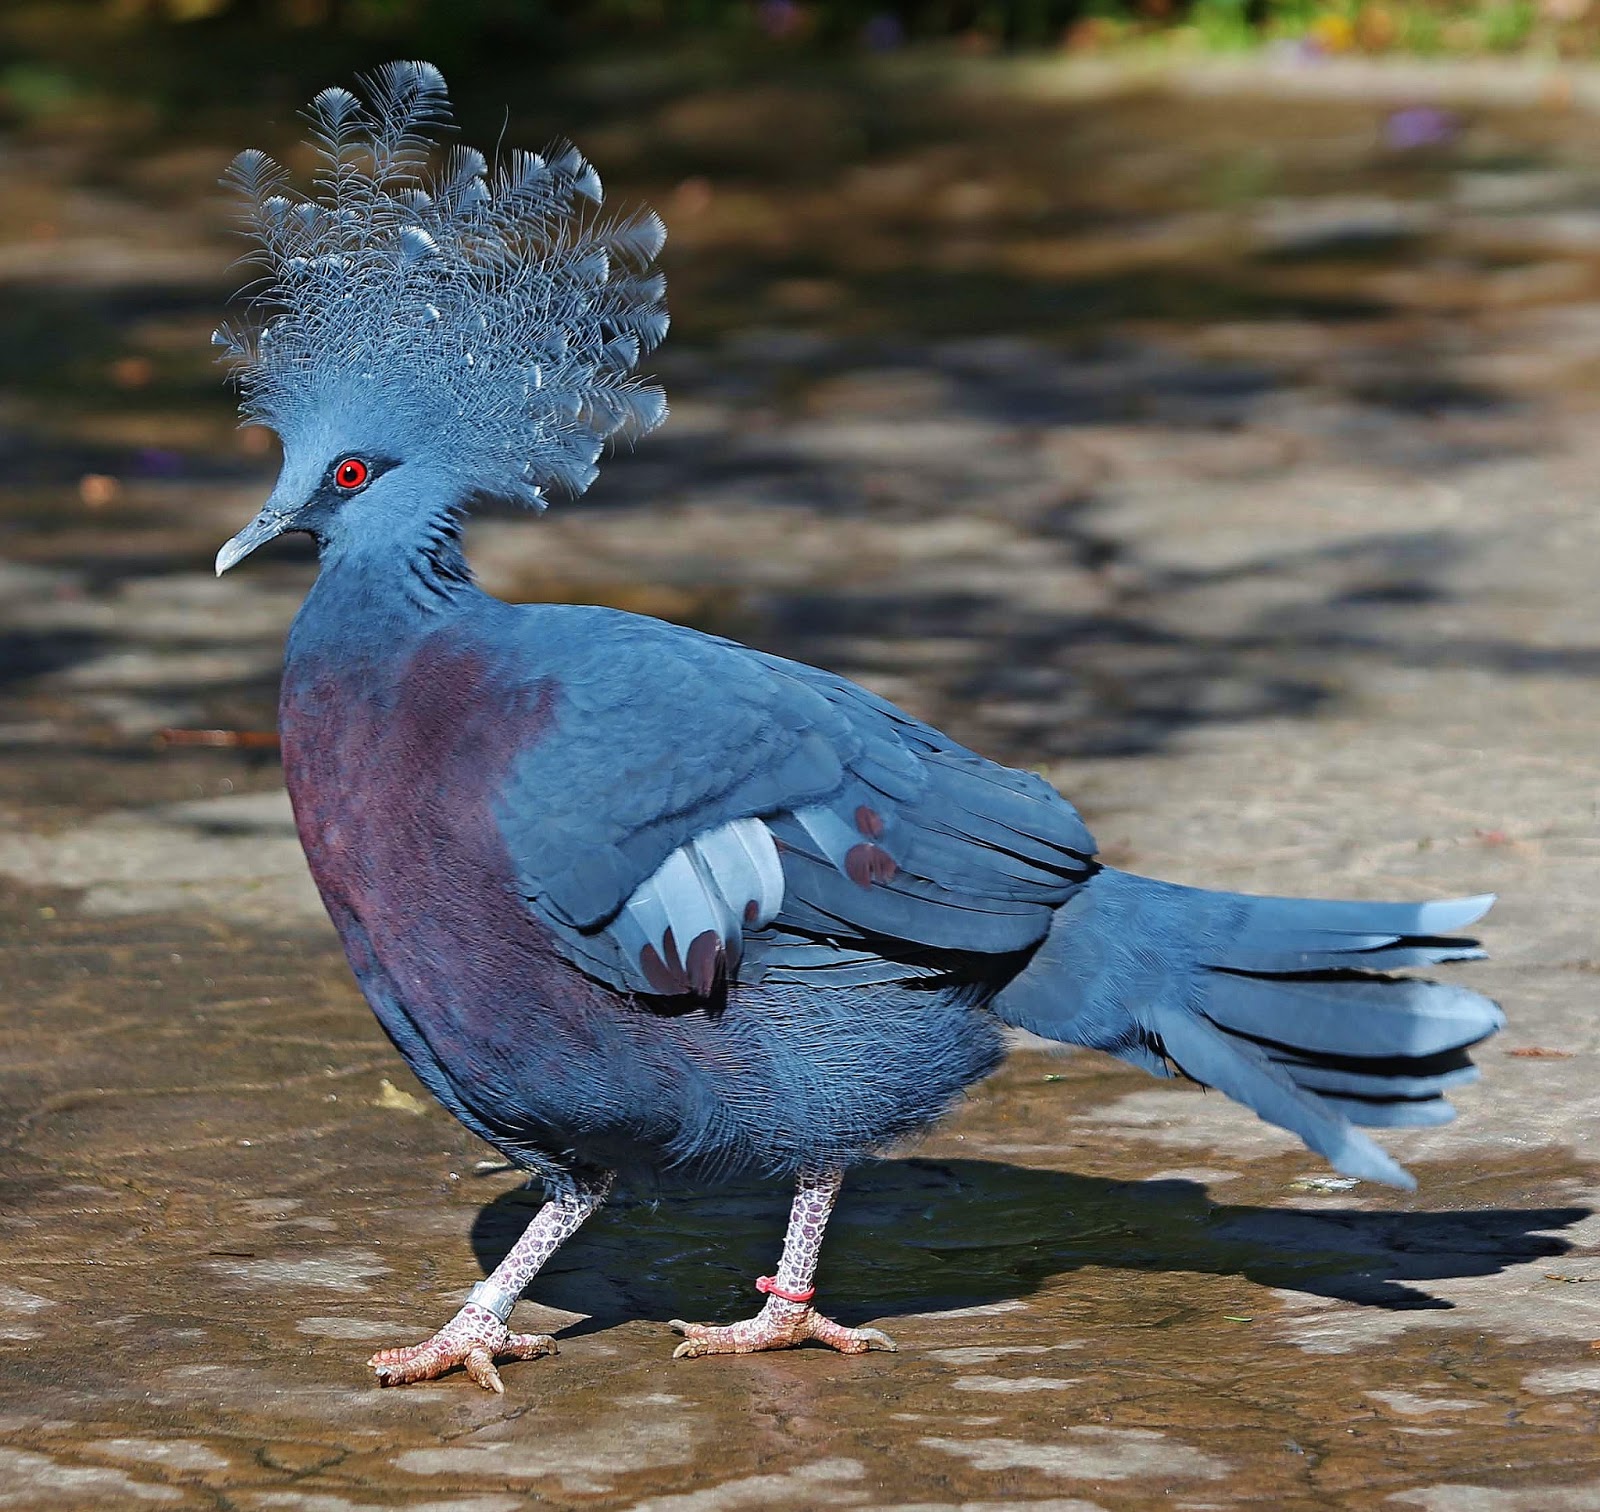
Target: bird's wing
[696, 810]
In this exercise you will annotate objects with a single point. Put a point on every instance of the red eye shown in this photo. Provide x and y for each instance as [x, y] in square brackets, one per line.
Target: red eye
[351, 473]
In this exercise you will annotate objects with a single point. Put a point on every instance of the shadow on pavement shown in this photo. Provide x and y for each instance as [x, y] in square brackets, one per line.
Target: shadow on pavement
[918, 1236]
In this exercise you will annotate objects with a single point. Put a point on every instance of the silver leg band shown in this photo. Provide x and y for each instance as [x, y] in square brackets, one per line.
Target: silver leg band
[490, 1298]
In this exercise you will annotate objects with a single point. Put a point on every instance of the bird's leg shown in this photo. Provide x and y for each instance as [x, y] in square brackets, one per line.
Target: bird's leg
[788, 1318]
[478, 1334]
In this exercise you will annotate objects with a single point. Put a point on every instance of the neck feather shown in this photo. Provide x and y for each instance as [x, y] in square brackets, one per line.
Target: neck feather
[426, 566]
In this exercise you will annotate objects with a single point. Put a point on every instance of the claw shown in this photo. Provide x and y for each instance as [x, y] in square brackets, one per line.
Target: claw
[472, 1340]
[876, 1338]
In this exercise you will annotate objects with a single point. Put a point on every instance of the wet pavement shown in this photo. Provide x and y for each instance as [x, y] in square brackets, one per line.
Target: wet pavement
[1231, 467]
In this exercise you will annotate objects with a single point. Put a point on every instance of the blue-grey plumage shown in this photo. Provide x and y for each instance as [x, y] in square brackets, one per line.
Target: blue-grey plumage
[634, 899]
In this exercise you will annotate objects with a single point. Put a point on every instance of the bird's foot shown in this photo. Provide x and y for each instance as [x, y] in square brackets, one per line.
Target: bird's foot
[473, 1339]
[779, 1325]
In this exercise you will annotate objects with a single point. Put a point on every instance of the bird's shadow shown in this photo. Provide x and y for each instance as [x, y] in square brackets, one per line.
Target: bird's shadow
[918, 1236]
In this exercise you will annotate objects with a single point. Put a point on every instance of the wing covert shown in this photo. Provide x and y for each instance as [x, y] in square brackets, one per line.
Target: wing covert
[721, 813]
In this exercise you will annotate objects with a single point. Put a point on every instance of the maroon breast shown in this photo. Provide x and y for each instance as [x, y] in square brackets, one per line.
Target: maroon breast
[393, 771]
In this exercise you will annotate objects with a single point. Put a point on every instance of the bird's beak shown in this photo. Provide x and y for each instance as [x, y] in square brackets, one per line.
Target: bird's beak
[267, 526]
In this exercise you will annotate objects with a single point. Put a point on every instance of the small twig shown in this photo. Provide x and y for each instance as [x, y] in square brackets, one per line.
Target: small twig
[250, 740]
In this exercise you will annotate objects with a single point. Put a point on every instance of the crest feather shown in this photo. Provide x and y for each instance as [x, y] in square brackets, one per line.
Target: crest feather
[499, 315]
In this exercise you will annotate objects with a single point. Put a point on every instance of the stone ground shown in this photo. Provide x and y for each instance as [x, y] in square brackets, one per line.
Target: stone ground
[1206, 452]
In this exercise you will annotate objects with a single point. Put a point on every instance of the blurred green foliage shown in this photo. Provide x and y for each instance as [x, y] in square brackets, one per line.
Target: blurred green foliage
[469, 28]
[126, 64]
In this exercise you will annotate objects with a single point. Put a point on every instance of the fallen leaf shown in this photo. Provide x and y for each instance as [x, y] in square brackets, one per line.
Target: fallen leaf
[132, 372]
[390, 1096]
[97, 490]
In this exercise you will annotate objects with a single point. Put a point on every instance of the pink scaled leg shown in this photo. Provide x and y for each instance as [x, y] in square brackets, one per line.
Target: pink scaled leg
[478, 1334]
[783, 1323]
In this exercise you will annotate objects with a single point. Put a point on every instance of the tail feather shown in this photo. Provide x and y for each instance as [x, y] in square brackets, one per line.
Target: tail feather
[1342, 1015]
[1273, 1001]
[1308, 934]
[1377, 1086]
[1248, 1075]
[1396, 1113]
[1341, 952]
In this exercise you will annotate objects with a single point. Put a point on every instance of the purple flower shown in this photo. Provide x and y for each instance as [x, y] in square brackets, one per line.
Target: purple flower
[1417, 126]
[780, 19]
[883, 33]
[157, 462]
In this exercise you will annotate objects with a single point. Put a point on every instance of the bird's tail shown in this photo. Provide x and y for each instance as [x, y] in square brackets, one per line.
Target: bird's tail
[1281, 1003]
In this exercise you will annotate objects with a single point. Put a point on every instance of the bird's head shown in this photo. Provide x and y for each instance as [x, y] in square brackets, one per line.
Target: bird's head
[355, 487]
[426, 334]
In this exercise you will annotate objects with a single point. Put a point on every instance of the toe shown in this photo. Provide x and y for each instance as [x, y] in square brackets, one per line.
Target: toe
[849, 1340]
[694, 1339]
[699, 1339]
[480, 1367]
[398, 1367]
[858, 1340]
[528, 1346]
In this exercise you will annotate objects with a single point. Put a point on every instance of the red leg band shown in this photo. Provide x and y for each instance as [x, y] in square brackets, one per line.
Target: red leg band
[769, 1285]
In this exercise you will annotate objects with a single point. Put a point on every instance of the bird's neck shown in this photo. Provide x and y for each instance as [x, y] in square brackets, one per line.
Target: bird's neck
[372, 599]
[425, 564]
